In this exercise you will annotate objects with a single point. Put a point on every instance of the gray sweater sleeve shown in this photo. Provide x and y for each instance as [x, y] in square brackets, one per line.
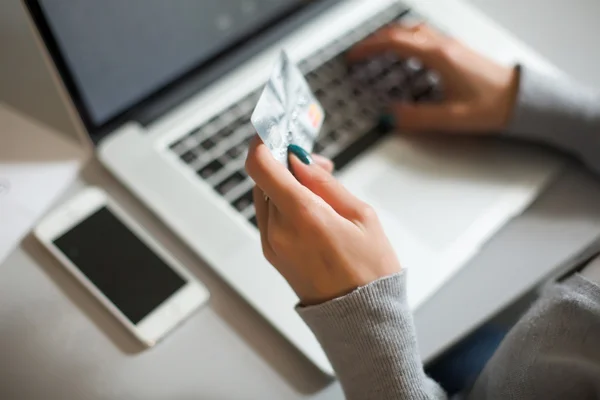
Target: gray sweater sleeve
[369, 334]
[551, 352]
[558, 112]
[369, 337]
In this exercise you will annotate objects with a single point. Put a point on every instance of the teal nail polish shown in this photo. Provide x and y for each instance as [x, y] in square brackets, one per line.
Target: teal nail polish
[302, 154]
[386, 122]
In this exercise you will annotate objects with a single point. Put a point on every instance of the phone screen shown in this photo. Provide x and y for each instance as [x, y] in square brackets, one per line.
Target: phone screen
[119, 264]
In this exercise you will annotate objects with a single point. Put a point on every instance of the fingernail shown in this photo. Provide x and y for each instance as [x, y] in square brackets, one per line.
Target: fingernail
[302, 154]
[386, 122]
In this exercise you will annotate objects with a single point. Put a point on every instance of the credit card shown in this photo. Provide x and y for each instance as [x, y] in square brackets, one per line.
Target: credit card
[287, 112]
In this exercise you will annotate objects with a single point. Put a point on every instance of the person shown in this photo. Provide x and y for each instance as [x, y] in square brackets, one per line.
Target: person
[331, 248]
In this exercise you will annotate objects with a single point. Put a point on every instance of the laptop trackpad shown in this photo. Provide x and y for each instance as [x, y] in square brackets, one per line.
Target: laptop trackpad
[440, 199]
[435, 190]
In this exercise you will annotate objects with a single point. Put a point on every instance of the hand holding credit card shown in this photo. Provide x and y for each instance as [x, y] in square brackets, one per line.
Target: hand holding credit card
[287, 112]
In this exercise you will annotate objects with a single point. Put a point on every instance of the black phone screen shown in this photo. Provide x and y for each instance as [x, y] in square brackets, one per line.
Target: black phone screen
[119, 264]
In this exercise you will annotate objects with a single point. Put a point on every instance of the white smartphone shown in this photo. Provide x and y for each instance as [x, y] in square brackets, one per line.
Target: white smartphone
[145, 288]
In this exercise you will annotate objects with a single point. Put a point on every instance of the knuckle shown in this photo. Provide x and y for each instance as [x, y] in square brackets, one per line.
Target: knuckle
[308, 216]
[303, 212]
[366, 213]
[277, 240]
[448, 50]
[392, 33]
[395, 35]
[436, 51]
[432, 32]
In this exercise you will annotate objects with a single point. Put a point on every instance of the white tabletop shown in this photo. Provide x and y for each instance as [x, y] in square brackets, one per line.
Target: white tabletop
[57, 342]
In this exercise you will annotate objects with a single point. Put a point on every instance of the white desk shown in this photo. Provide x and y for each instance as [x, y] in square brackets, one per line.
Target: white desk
[57, 342]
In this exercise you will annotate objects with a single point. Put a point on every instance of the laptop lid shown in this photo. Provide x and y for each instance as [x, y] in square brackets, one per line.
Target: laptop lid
[135, 60]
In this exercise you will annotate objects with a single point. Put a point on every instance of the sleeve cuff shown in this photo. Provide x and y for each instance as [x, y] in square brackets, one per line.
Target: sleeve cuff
[551, 109]
[370, 339]
[368, 294]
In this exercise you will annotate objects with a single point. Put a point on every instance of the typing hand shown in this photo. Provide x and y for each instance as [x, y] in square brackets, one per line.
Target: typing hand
[479, 93]
[323, 240]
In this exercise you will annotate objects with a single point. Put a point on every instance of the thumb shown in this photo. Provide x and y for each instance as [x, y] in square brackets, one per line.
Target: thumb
[432, 117]
[322, 183]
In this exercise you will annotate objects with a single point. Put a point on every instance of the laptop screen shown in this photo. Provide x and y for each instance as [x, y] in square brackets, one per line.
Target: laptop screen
[118, 52]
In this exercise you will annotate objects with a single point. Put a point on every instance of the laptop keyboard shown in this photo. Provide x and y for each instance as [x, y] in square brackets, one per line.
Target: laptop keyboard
[352, 97]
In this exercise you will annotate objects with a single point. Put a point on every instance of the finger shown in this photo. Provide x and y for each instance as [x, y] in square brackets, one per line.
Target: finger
[323, 162]
[420, 42]
[406, 41]
[273, 177]
[324, 185]
[433, 117]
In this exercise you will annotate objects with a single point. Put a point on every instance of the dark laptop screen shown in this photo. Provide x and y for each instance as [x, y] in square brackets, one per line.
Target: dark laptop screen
[120, 51]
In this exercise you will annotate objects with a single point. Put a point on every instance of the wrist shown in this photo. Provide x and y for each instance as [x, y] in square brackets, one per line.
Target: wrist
[320, 294]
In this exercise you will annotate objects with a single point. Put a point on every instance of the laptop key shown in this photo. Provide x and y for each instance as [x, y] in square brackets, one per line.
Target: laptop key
[253, 221]
[230, 182]
[175, 145]
[335, 82]
[244, 120]
[226, 132]
[218, 138]
[318, 147]
[189, 157]
[421, 94]
[349, 124]
[244, 201]
[413, 67]
[356, 92]
[365, 112]
[341, 103]
[208, 144]
[334, 134]
[178, 147]
[237, 150]
[193, 132]
[210, 169]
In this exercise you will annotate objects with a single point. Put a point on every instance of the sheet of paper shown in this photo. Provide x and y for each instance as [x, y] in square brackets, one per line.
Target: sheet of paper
[36, 166]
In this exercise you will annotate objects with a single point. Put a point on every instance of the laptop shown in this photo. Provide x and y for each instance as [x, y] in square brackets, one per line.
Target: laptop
[163, 92]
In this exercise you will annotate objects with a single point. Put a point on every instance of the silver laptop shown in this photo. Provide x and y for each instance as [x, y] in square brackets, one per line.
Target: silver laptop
[164, 91]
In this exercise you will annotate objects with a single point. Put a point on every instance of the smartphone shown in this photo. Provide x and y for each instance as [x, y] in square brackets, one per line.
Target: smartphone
[143, 286]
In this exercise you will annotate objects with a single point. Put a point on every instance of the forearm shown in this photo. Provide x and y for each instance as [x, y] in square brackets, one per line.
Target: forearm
[558, 112]
[369, 337]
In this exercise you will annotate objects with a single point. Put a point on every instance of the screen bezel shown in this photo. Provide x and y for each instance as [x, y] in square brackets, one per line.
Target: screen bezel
[178, 89]
[163, 318]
